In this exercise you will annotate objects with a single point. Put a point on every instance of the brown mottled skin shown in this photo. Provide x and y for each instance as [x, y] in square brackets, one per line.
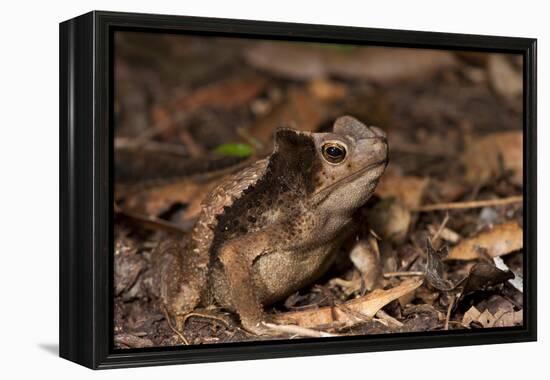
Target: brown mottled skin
[274, 227]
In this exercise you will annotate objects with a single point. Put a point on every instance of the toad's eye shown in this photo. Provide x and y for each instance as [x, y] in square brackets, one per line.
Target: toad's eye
[334, 153]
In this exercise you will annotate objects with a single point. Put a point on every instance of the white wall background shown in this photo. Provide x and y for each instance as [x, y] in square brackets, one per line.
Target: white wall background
[29, 186]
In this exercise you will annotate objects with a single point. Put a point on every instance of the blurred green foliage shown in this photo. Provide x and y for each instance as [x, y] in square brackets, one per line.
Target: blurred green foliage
[235, 150]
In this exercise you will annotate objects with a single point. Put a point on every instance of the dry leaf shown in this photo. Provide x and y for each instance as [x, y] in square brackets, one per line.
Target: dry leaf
[408, 189]
[291, 61]
[390, 220]
[472, 57]
[147, 168]
[508, 318]
[389, 65]
[517, 281]
[435, 268]
[445, 233]
[475, 75]
[505, 80]
[406, 299]
[300, 111]
[327, 90]
[502, 318]
[365, 256]
[188, 192]
[376, 64]
[132, 341]
[351, 312]
[127, 269]
[495, 302]
[500, 240]
[482, 277]
[448, 190]
[488, 157]
[427, 295]
[470, 316]
[242, 90]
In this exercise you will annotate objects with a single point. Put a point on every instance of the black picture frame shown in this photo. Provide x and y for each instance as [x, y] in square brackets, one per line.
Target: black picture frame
[86, 184]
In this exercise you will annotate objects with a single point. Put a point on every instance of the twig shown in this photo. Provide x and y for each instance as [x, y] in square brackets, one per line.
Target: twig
[440, 229]
[341, 282]
[150, 222]
[299, 331]
[251, 140]
[448, 316]
[124, 190]
[469, 204]
[194, 149]
[403, 274]
[155, 129]
[173, 328]
[420, 149]
[205, 316]
[151, 146]
[388, 318]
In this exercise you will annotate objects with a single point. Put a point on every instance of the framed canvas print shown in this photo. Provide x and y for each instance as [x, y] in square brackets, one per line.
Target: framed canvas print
[238, 189]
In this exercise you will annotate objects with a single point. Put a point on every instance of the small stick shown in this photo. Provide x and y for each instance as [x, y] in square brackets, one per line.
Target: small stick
[299, 331]
[441, 227]
[173, 328]
[155, 129]
[251, 140]
[205, 316]
[403, 274]
[194, 149]
[150, 222]
[388, 318]
[420, 150]
[448, 316]
[153, 146]
[469, 204]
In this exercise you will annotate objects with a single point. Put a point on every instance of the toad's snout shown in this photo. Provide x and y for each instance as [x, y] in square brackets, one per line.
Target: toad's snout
[372, 143]
[374, 147]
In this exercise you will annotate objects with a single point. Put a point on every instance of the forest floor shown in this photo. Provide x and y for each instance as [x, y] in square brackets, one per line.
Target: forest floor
[442, 236]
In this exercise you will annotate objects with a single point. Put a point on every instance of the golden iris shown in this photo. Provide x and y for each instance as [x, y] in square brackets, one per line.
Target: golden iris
[334, 153]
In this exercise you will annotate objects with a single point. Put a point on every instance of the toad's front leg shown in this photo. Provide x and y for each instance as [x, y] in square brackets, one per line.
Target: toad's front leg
[237, 257]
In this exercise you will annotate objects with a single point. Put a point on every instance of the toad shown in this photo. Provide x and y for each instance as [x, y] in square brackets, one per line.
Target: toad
[274, 227]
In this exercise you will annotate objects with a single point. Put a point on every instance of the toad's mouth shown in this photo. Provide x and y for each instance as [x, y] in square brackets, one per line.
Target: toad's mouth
[322, 194]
